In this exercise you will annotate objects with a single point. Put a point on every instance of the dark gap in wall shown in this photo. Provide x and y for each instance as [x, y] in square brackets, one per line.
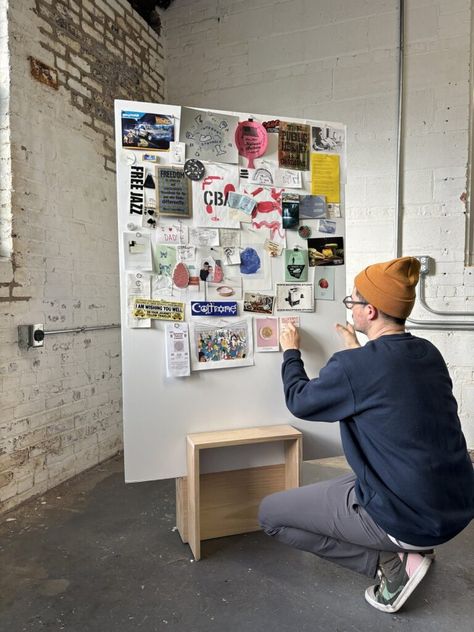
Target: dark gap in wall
[148, 9]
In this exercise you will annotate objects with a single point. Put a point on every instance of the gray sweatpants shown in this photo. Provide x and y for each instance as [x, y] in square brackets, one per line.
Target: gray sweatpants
[326, 519]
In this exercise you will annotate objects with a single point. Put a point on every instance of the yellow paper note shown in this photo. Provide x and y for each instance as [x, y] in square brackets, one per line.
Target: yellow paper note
[325, 176]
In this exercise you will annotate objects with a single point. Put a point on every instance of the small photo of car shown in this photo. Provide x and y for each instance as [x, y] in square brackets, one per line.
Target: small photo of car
[147, 131]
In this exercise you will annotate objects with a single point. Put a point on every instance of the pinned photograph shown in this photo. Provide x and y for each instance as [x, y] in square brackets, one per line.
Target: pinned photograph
[312, 206]
[294, 297]
[222, 347]
[326, 251]
[324, 283]
[327, 139]
[290, 209]
[144, 130]
[266, 334]
[210, 265]
[252, 261]
[258, 303]
[293, 146]
[327, 226]
[296, 264]
[286, 320]
[241, 202]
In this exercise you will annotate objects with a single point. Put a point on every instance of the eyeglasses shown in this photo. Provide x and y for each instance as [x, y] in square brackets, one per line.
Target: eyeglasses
[349, 302]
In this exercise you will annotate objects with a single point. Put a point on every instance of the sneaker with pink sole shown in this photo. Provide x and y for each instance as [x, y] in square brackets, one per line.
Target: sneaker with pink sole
[399, 574]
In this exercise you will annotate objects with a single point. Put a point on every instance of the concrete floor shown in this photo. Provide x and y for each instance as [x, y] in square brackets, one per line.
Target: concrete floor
[96, 555]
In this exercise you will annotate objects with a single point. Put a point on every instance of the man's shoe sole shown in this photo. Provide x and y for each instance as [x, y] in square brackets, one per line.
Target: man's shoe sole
[410, 586]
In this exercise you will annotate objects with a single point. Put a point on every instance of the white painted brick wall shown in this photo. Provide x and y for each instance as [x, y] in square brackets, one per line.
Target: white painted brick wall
[61, 404]
[5, 156]
[338, 61]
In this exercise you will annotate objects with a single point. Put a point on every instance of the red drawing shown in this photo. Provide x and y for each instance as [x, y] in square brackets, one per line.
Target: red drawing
[271, 209]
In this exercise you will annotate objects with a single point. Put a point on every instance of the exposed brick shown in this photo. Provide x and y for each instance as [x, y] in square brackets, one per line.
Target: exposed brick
[105, 8]
[69, 42]
[79, 87]
[46, 390]
[78, 61]
[68, 68]
[92, 32]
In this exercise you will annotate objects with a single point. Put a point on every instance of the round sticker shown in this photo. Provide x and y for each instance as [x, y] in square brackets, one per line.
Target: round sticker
[194, 169]
[304, 232]
[266, 332]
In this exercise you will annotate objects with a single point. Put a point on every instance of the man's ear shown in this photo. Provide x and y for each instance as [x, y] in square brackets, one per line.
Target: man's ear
[373, 312]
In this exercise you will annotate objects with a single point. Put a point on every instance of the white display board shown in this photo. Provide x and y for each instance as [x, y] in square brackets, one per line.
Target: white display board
[159, 411]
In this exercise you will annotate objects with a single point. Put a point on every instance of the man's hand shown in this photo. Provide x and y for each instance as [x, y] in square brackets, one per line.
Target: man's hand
[348, 336]
[289, 337]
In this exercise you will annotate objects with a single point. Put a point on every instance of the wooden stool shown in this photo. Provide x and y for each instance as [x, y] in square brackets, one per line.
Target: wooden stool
[226, 503]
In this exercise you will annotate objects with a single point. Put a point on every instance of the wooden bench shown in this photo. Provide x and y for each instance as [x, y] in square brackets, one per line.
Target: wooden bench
[226, 503]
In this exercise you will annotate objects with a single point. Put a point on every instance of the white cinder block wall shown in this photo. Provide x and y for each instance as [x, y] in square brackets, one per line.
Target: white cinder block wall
[325, 59]
[61, 405]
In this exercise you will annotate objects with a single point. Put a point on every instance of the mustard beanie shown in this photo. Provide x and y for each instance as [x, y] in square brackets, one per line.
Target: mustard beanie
[390, 286]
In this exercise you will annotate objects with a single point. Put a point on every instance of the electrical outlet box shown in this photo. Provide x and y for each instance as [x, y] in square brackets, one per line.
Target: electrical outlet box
[425, 263]
[31, 336]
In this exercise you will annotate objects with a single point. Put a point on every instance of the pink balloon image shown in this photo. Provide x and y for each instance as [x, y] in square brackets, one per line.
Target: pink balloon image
[251, 139]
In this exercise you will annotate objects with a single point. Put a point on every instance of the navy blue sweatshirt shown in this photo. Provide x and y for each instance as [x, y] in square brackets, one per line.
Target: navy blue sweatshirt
[400, 433]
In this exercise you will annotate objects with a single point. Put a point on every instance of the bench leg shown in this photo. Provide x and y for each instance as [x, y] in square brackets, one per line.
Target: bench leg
[292, 463]
[194, 531]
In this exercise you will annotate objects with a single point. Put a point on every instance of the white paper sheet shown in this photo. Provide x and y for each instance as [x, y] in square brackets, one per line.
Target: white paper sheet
[138, 286]
[137, 251]
[178, 362]
[210, 196]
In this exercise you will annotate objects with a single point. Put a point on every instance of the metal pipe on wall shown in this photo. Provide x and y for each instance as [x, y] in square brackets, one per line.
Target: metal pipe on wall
[398, 220]
[78, 330]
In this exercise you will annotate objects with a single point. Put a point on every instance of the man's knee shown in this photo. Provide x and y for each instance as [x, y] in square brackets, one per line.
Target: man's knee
[268, 514]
